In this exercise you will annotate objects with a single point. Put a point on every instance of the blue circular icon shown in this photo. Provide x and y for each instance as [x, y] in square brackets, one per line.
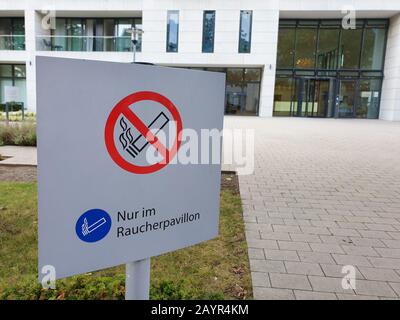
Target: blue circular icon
[93, 225]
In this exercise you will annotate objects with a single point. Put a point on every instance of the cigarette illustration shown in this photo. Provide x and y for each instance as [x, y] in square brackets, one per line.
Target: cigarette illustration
[135, 145]
[86, 229]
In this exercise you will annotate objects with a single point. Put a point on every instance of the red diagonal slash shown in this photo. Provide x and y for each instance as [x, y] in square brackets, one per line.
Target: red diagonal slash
[146, 132]
[123, 108]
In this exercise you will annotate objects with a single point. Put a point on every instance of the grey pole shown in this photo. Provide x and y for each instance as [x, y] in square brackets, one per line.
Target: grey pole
[137, 282]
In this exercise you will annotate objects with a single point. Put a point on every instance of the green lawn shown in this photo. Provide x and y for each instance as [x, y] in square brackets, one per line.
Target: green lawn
[217, 269]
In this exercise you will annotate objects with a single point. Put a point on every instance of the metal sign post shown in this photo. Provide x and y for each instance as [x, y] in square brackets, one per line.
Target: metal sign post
[137, 282]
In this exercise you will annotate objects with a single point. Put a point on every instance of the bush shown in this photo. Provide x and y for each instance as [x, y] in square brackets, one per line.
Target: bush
[23, 134]
[91, 287]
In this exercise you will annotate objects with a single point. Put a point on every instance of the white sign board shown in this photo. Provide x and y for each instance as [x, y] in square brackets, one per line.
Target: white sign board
[11, 94]
[111, 186]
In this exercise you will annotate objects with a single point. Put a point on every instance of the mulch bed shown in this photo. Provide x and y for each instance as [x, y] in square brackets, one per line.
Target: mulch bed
[229, 180]
[18, 173]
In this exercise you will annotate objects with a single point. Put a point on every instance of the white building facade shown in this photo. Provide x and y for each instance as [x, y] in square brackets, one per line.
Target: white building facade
[281, 57]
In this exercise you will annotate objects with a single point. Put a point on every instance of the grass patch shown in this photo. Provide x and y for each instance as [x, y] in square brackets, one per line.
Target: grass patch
[216, 269]
[18, 134]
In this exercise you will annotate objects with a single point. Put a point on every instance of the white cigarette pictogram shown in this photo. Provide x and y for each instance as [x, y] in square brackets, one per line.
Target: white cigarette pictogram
[86, 229]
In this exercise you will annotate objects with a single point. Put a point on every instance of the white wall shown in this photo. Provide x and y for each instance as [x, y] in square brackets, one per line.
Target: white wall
[390, 101]
[266, 15]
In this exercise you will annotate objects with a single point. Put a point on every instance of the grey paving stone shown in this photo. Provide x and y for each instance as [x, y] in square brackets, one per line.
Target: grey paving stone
[304, 268]
[379, 274]
[267, 266]
[316, 257]
[260, 279]
[272, 294]
[289, 281]
[312, 295]
[285, 255]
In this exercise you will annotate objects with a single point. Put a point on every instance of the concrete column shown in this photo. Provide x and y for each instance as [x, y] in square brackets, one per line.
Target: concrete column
[269, 52]
[30, 44]
[390, 101]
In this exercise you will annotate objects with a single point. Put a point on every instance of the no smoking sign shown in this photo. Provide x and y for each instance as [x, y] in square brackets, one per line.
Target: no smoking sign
[128, 134]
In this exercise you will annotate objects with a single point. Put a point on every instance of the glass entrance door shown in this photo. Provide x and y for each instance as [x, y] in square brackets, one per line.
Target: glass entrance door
[347, 99]
[314, 97]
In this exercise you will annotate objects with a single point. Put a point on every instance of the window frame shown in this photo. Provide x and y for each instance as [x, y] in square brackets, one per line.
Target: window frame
[169, 13]
[205, 12]
[250, 30]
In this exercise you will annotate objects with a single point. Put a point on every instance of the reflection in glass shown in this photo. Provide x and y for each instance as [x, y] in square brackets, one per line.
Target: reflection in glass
[245, 31]
[305, 48]
[208, 31]
[13, 75]
[347, 99]
[350, 47]
[286, 38]
[12, 34]
[172, 31]
[327, 54]
[283, 97]
[368, 106]
[373, 49]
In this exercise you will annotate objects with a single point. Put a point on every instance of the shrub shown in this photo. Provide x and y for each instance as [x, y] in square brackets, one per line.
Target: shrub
[23, 134]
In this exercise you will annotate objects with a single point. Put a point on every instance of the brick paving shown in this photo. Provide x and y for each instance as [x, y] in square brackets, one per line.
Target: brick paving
[325, 193]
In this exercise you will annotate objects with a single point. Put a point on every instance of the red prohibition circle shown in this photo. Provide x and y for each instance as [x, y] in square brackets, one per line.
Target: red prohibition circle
[122, 107]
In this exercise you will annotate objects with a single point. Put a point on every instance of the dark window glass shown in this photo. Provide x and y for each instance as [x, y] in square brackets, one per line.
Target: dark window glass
[13, 75]
[123, 28]
[373, 49]
[75, 29]
[242, 91]
[20, 71]
[245, 31]
[327, 54]
[286, 39]
[368, 106]
[5, 70]
[208, 31]
[172, 31]
[12, 34]
[350, 46]
[305, 48]
[18, 32]
[251, 74]
[283, 97]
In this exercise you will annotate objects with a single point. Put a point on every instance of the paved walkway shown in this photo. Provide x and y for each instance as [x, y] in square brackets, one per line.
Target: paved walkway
[325, 193]
[18, 155]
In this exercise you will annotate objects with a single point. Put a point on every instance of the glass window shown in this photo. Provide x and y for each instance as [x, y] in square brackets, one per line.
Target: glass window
[286, 38]
[208, 31]
[306, 39]
[75, 29]
[59, 41]
[5, 70]
[252, 74]
[368, 106]
[109, 33]
[283, 97]
[245, 31]
[123, 36]
[350, 47]
[20, 71]
[12, 34]
[172, 31]
[373, 49]
[138, 25]
[13, 75]
[327, 54]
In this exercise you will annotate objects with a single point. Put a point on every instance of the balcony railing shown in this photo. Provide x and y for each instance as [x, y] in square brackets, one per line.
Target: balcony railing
[12, 42]
[86, 43]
